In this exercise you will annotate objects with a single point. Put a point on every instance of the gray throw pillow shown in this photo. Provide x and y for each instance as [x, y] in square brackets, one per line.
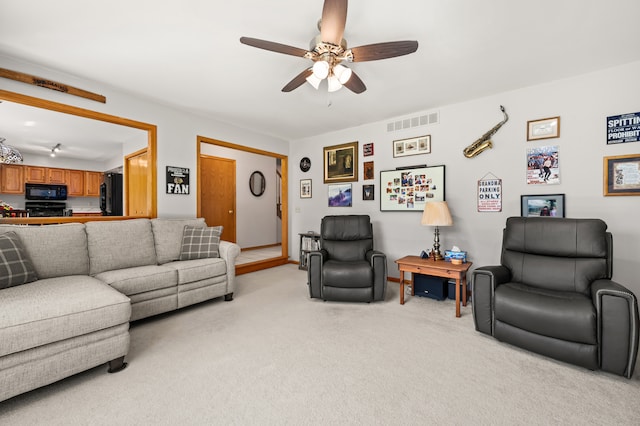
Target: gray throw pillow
[15, 266]
[200, 243]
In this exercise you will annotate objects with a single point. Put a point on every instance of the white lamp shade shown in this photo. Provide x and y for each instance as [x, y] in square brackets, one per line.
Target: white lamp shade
[321, 69]
[314, 81]
[334, 83]
[436, 213]
[343, 73]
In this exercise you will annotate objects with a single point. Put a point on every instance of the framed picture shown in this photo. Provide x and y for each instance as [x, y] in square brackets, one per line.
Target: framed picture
[305, 188]
[367, 149]
[622, 175]
[412, 146]
[543, 165]
[367, 167]
[341, 163]
[545, 128]
[623, 128]
[551, 205]
[409, 189]
[340, 195]
[368, 192]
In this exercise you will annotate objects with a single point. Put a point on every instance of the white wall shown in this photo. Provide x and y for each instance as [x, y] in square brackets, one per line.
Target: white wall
[256, 218]
[582, 102]
[177, 129]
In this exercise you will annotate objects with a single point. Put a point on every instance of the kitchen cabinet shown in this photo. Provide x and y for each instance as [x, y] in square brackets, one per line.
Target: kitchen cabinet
[39, 174]
[35, 174]
[58, 176]
[92, 181]
[12, 179]
[75, 183]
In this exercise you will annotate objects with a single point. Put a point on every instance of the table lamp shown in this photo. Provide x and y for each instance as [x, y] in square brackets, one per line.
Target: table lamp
[436, 213]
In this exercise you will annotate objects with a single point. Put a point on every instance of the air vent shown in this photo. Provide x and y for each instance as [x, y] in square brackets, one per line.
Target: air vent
[407, 123]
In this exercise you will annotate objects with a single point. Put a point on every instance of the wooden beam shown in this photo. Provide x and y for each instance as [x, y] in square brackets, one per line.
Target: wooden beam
[50, 84]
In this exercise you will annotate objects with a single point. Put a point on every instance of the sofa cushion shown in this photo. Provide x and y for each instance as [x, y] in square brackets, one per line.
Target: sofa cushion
[563, 315]
[55, 309]
[200, 243]
[140, 279]
[199, 269]
[167, 235]
[68, 241]
[15, 266]
[120, 244]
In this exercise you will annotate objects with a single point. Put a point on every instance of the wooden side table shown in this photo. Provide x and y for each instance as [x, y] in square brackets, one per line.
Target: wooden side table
[438, 268]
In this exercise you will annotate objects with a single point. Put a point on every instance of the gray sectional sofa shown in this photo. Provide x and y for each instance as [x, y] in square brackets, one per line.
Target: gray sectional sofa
[92, 280]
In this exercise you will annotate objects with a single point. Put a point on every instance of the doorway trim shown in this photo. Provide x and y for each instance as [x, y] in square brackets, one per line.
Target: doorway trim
[284, 257]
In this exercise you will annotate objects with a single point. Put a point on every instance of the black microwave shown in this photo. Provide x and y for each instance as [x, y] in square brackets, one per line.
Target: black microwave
[43, 191]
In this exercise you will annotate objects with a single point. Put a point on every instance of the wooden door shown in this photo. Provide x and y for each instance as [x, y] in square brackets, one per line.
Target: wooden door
[218, 194]
[136, 189]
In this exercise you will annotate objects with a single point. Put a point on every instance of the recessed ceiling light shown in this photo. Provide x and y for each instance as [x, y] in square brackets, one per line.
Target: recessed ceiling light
[29, 123]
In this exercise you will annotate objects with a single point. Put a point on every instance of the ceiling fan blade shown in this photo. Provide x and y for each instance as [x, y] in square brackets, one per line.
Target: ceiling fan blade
[298, 80]
[334, 19]
[272, 46]
[355, 84]
[373, 52]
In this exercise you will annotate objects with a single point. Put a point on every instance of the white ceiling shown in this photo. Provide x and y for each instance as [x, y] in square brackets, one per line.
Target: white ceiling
[187, 52]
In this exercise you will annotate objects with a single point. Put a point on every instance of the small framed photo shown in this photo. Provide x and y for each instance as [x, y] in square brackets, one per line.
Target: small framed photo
[341, 163]
[622, 175]
[340, 195]
[305, 188]
[412, 146]
[551, 205]
[368, 192]
[367, 149]
[545, 128]
[367, 167]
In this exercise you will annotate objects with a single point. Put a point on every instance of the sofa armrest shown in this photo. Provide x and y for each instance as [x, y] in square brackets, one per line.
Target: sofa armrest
[314, 272]
[617, 315]
[229, 252]
[378, 261]
[484, 281]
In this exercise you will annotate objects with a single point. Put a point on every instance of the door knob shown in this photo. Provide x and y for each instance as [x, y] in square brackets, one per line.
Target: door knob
[230, 211]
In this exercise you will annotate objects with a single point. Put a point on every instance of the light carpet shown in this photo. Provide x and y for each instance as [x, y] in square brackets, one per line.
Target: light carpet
[273, 356]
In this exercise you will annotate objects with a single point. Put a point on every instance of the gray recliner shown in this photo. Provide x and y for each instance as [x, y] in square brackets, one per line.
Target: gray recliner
[553, 294]
[347, 268]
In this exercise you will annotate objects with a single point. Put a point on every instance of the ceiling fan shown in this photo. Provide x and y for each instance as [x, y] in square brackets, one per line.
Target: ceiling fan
[328, 50]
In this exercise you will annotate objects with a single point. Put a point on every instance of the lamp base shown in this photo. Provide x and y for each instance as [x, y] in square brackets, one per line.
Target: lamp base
[436, 255]
[435, 252]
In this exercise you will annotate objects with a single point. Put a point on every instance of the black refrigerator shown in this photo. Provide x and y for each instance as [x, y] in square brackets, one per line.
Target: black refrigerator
[111, 195]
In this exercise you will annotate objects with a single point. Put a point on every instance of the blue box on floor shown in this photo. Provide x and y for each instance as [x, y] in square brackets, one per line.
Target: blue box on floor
[432, 287]
[452, 291]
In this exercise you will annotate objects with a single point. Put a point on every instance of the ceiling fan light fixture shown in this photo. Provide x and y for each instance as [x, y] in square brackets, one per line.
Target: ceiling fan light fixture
[321, 69]
[342, 73]
[334, 83]
[314, 81]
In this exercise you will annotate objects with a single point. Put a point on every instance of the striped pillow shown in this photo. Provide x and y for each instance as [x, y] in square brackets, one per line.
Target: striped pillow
[200, 243]
[15, 266]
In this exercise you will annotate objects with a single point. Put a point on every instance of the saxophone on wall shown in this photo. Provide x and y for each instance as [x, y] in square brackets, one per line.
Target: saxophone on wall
[484, 142]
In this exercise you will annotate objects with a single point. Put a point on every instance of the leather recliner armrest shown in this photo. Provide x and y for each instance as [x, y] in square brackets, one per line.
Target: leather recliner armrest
[378, 261]
[617, 316]
[484, 281]
[314, 272]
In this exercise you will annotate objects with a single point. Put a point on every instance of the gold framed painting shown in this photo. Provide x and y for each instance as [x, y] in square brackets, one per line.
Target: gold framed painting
[341, 163]
[622, 175]
[545, 128]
